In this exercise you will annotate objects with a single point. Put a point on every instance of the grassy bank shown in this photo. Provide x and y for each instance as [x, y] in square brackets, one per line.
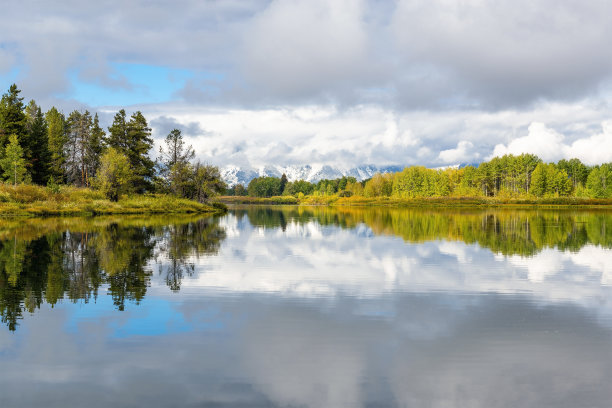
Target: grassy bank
[24, 200]
[554, 202]
[278, 200]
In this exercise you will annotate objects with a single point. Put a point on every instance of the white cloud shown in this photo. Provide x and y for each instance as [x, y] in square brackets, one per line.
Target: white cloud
[550, 145]
[460, 154]
[540, 140]
[595, 149]
[369, 134]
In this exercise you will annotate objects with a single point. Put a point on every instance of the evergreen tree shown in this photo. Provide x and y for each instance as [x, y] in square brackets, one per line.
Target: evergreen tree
[13, 163]
[94, 146]
[175, 160]
[118, 132]
[84, 147]
[57, 139]
[79, 127]
[538, 180]
[141, 142]
[36, 143]
[133, 139]
[12, 117]
[577, 171]
[599, 182]
[283, 183]
[175, 150]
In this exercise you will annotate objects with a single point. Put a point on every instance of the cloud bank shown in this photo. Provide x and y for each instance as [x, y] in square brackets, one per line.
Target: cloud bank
[340, 83]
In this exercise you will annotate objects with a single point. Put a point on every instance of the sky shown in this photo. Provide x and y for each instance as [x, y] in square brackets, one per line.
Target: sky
[341, 83]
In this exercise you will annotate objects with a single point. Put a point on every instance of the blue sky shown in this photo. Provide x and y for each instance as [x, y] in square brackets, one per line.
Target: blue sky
[343, 83]
[142, 84]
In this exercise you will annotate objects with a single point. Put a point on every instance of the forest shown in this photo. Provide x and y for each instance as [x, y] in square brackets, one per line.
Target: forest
[52, 149]
[510, 176]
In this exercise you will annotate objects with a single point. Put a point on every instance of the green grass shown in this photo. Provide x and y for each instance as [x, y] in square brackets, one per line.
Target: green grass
[473, 202]
[34, 200]
[278, 200]
[334, 200]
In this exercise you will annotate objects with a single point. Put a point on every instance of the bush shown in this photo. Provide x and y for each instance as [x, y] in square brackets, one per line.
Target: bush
[219, 206]
[53, 186]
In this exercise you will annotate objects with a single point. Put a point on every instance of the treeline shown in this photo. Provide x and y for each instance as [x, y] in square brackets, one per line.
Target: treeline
[275, 186]
[509, 176]
[52, 149]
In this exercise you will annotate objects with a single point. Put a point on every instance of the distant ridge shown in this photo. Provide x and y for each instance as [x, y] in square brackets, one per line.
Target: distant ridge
[237, 175]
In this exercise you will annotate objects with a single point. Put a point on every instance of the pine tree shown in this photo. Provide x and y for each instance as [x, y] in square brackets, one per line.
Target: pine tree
[140, 143]
[283, 183]
[133, 139]
[80, 149]
[56, 141]
[12, 117]
[175, 151]
[538, 181]
[36, 143]
[93, 150]
[175, 160]
[13, 163]
[118, 132]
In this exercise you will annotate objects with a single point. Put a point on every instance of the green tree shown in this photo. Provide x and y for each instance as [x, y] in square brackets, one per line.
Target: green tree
[94, 147]
[379, 185]
[36, 144]
[79, 135]
[133, 139]
[56, 139]
[297, 187]
[115, 175]
[175, 159]
[538, 181]
[576, 171]
[599, 182]
[238, 190]
[12, 116]
[264, 187]
[13, 163]
[283, 183]
[118, 132]
[140, 143]
[206, 182]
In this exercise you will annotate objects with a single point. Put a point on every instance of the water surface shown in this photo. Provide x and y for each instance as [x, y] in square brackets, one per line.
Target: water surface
[308, 307]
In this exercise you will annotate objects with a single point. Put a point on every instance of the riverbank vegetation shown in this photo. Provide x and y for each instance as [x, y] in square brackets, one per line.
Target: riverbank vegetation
[35, 200]
[523, 179]
[56, 164]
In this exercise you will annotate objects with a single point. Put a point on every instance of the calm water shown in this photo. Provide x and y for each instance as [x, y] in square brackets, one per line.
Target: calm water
[287, 307]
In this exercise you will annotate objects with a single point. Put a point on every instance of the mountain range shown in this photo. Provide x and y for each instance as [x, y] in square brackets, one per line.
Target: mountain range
[238, 175]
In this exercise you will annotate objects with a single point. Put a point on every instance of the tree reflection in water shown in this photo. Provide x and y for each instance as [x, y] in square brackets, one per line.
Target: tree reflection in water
[503, 231]
[46, 260]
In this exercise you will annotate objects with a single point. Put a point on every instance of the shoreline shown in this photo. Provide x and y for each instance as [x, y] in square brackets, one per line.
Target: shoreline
[37, 201]
[440, 202]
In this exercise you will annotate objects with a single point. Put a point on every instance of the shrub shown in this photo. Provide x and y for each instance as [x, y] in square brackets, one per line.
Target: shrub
[219, 206]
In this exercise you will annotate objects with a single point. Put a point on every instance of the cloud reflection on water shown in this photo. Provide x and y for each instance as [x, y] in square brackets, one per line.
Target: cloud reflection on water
[314, 315]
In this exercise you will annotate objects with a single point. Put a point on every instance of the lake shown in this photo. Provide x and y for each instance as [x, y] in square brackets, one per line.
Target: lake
[308, 307]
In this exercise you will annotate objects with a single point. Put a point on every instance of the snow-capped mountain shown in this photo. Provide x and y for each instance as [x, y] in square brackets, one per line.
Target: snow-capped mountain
[236, 175]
